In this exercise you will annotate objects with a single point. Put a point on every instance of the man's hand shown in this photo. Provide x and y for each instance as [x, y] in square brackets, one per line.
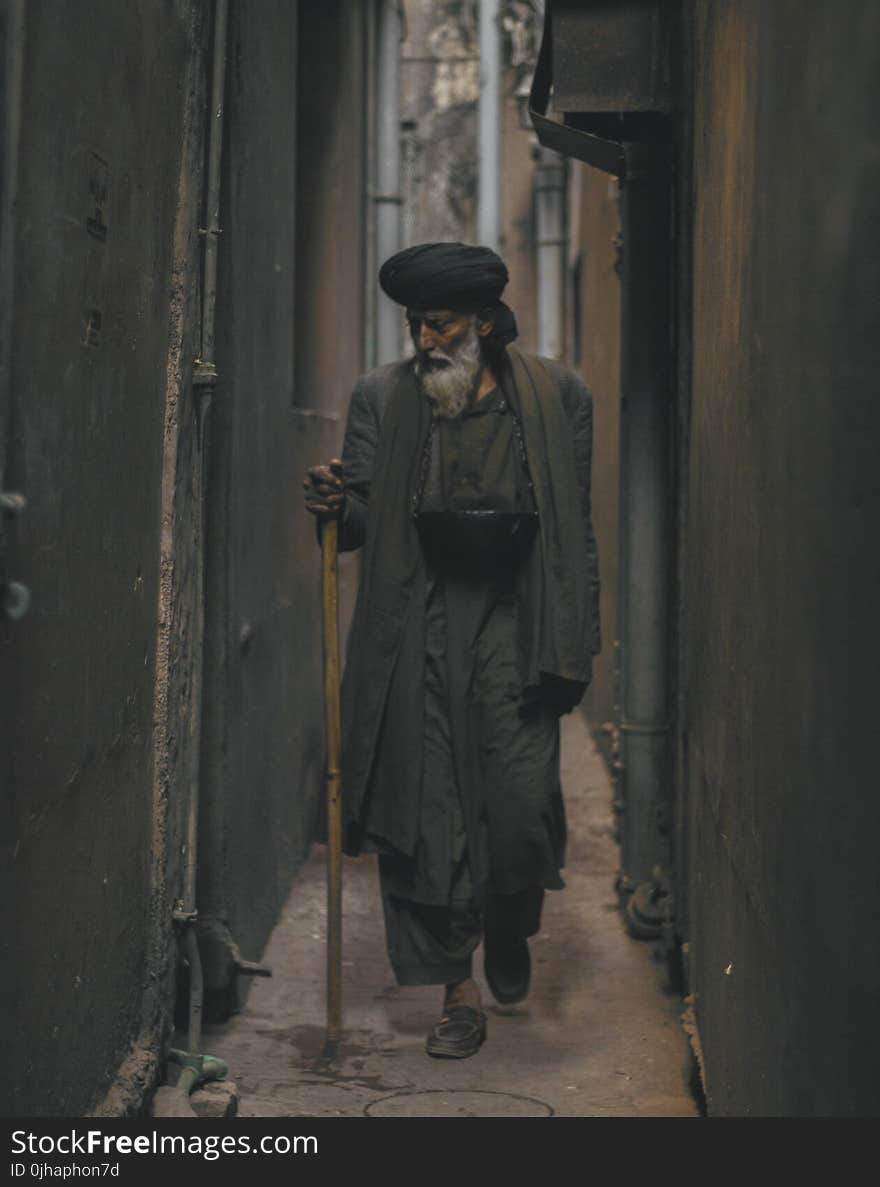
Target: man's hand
[325, 496]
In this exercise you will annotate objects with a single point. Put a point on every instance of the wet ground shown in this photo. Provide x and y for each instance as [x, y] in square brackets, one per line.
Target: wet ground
[600, 1034]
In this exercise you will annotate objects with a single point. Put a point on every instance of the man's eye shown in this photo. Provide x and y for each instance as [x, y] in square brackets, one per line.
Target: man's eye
[430, 323]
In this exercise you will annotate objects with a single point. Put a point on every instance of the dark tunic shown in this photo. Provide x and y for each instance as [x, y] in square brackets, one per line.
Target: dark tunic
[484, 761]
[512, 651]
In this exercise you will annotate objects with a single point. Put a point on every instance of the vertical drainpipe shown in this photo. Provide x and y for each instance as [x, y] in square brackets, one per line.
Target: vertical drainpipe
[386, 192]
[489, 122]
[194, 1067]
[370, 188]
[550, 182]
[645, 520]
[204, 382]
[220, 959]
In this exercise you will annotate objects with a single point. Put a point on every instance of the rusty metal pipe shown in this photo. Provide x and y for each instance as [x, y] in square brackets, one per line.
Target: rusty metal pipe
[204, 378]
[551, 178]
[489, 126]
[196, 990]
[370, 290]
[212, 200]
[386, 193]
[646, 539]
[330, 606]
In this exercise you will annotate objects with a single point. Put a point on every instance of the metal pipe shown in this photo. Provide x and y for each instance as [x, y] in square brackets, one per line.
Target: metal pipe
[330, 607]
[551, 176]
[196, 989]
[489, 127]
[212, 201]
[190, 864]
[386, 193]
[645, 517]
[211, 926]
[370, 187]
[204, 379]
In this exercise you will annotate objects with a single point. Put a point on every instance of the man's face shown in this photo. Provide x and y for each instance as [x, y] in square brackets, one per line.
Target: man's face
[437, 335]
[449, 357]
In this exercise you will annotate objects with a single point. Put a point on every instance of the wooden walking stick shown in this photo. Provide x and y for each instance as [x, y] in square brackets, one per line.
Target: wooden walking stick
[330, 603]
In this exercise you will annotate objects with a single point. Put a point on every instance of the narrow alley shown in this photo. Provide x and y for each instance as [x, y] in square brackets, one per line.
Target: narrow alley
[597, 1037]
[530, 346]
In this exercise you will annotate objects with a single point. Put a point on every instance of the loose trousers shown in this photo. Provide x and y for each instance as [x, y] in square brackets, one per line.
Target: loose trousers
[436, 910]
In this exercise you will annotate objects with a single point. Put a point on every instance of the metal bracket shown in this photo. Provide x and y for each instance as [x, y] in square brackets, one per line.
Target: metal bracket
[633, 727]
[248, 968]
[251, 968]
[204, 374]
[583, 137]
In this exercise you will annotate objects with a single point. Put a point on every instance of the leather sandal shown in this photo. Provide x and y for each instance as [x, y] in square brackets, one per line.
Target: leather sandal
[459, 1033]
[508, 968]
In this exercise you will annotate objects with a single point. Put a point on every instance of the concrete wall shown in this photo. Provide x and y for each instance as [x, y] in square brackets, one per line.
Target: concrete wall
[330, 204]
[782, 567]
[776, 333]
[101, 687]
[290, 274]
[97, 428]
[440, 87]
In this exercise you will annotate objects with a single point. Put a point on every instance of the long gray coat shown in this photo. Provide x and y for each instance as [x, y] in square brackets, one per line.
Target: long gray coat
[387, 424]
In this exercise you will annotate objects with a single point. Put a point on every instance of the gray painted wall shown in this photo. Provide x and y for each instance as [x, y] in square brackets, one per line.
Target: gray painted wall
[97, 425]
[274, 414]
[782, 569]
[778, 578]
[97, 414]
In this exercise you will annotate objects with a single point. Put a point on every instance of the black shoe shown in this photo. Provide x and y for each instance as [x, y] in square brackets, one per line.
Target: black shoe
[458, 1034]
[508, 968]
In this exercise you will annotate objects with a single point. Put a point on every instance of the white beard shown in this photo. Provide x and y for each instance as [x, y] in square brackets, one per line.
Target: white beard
[449, 385]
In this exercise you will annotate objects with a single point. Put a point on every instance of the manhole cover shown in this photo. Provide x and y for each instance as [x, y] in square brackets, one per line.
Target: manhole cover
[439, 1102]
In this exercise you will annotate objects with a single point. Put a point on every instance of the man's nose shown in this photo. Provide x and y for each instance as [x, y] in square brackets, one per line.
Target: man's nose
[426, 338]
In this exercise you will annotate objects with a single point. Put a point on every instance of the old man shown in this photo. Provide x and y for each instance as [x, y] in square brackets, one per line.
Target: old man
[465, 478]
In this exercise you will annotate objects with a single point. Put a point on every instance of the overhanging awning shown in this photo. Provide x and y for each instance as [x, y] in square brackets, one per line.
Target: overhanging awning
[607, 67]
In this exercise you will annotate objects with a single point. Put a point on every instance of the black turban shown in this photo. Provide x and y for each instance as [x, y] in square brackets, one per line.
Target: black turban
[450, 276]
